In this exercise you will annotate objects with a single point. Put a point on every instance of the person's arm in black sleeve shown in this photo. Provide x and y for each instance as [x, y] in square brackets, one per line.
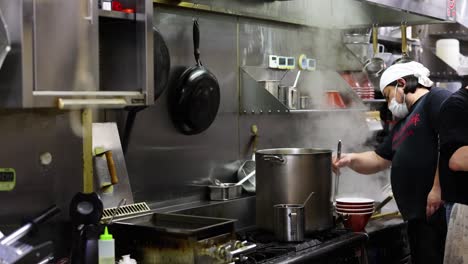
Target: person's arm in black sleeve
[368, 162]
[454, 133]
[384, 150]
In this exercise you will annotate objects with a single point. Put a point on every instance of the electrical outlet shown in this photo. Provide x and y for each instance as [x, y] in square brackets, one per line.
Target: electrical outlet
[273, 62]
[291, 63]
[311, 64]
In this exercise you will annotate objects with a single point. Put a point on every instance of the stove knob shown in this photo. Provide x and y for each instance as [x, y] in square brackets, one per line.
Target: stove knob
[238, 244]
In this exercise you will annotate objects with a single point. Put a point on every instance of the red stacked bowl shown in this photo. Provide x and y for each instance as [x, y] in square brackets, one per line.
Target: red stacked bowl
[356, 212]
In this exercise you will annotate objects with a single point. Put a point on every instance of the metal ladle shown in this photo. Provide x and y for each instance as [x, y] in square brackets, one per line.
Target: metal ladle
[337, 179]
[308, 198]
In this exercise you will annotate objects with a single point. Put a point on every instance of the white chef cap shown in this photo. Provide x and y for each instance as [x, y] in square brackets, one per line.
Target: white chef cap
[400, 70]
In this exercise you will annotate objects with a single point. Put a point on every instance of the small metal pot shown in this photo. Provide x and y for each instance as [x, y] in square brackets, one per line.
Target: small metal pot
[225, 191]
[289, 222]
[288, 95]
[304, 102]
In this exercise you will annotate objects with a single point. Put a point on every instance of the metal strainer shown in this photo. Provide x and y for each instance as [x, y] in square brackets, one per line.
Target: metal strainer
[245, 169]
[375, 66]
[4, 39]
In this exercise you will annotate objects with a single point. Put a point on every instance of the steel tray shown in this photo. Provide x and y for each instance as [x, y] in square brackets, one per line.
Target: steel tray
[197, 227]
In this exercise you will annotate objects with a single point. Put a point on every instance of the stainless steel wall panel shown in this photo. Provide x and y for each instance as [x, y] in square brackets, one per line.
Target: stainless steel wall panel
[258, 40]
[25, 136]
[164, 164]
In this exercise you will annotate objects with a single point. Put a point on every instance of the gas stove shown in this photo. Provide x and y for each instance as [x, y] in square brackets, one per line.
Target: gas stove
[332, 246]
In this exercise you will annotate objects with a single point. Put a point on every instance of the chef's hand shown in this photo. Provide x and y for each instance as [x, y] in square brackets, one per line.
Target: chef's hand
[434, 201]
[343, 162]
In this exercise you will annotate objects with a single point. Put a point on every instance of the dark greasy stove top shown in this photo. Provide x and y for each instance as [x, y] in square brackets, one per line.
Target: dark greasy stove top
[319, 247]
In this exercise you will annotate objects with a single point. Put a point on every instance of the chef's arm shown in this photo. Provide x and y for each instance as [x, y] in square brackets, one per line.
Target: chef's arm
[436, 184]
[434, 198]
[367, 162]
[459, 159]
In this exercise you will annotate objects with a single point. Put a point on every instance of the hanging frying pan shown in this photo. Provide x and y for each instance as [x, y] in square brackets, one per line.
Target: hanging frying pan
[194, 101]
[162, 63]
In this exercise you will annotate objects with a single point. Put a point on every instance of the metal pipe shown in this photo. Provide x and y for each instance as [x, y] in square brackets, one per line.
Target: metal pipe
[15, 236]
[22, 231]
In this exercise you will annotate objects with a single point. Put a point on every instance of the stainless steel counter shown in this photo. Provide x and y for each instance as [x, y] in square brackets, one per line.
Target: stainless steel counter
[242, 209]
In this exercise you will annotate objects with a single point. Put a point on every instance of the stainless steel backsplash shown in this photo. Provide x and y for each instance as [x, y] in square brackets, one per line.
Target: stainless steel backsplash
[165, 166]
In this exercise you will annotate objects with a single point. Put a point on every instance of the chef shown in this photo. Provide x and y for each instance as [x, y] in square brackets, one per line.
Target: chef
[411, 150]
[453, 166]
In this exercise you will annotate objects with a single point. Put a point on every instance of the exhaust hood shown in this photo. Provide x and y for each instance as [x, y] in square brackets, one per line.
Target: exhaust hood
[436, 9]
[337, 14]
[393, 12]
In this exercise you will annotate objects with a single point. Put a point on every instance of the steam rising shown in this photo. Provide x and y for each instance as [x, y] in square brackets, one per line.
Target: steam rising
[324, 129]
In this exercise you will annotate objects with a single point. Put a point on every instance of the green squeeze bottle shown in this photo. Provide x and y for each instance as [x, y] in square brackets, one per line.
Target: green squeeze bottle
[106, 248]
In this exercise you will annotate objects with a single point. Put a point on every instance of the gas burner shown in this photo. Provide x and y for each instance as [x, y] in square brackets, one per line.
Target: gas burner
[263, 237]
[269, 250]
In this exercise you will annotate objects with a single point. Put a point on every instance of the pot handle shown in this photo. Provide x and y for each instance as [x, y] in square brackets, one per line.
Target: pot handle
[293, 217]
[273, 158]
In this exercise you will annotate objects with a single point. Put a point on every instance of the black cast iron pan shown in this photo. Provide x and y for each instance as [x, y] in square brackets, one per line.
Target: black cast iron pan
[194, 101]
[162, 67]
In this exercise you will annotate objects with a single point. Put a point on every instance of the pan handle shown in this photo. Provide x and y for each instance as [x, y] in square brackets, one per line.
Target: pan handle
[196, 41]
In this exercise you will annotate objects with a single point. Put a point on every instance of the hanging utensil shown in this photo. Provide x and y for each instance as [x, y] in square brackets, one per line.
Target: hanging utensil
[194, 102]
[5, 44]
[248, 166]
[162, 63]
[404, 46]
[375, 66]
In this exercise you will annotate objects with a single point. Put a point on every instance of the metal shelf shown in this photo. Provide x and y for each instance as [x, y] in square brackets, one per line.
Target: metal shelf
[117, 15]
[305, 111]
[394, 40]
[374, 101]
[255, 99]
[328, 110]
